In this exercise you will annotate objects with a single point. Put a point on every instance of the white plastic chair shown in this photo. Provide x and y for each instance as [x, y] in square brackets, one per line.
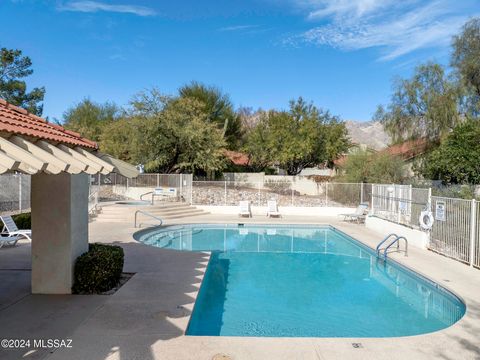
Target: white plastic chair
[272, 209]
[244, 208]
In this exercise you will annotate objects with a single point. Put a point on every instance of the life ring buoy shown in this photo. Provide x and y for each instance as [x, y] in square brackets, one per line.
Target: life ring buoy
[426, 220]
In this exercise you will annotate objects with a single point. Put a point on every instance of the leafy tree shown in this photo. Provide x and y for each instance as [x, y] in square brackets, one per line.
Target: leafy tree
[457, 160]
[149, 103]
[465, 59]
[256, 144]
[302, 137]
[466, 52]
[424, 106]
[337, 140]
[14, 67]
[366, 167]
[177, 136]
[119, 138]
[89, 118]
[219, 110]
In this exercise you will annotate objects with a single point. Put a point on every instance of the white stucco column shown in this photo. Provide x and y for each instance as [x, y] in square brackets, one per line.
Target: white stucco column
[59, 230]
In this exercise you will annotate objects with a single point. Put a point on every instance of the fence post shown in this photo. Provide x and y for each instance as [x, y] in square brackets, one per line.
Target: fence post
[361, 193]
[326, 193]
[398, 196]
[225, 184]
[429, 203]
[181, 186]
[158, 180]
[410, 197]
[191, 192]
[259, 194]
[20, 192]
[472, 233]
[372, 198]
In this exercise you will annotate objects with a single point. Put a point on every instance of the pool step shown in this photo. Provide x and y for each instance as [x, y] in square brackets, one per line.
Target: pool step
[166, 211]
[118, 209]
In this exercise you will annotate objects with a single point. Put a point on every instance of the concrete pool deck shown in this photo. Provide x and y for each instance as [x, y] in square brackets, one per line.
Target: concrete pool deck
[147, 317]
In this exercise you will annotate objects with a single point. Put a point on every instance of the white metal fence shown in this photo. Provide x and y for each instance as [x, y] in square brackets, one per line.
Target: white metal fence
[399, 203]
[456, 228]
[286, 193]
[455, 232]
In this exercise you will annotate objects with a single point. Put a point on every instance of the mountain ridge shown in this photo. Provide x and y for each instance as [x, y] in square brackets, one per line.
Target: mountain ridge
[369, 133]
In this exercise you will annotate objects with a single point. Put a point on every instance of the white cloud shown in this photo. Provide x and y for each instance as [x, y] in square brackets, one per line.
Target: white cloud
[397, 28]
[341, 8]
[95, 6]
[238, 27]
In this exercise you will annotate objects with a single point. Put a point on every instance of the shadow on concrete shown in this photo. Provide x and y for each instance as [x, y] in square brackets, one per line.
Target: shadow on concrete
[468, 340]
[153, 306]
[15, 268]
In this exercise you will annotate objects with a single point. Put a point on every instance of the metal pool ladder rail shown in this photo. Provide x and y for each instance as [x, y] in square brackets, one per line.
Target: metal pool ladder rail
[396, 240]
[146, 214]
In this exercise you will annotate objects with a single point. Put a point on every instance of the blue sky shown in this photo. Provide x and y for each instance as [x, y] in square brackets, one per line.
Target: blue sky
[340, 54]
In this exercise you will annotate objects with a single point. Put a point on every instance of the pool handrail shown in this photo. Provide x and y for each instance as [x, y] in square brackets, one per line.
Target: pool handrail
[377, 250]
[396, 240]
[146, 213]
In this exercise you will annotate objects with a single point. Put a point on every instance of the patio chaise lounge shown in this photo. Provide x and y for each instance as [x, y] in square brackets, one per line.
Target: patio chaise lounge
[272, 209]
[358, 215]
[10, 233]
[244, 209]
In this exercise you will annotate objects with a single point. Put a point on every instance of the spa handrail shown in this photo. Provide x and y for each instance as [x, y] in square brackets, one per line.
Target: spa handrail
[146, 214]
[150, 192]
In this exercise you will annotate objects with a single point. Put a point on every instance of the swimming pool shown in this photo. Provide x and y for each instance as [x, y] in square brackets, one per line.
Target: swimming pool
[304, 281]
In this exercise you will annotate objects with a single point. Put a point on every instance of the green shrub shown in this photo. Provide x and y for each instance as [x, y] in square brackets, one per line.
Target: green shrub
[98, 270]
[23, 221]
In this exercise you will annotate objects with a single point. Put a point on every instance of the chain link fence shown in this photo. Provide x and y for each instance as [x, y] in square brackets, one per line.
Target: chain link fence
[14, 193]
[114, 187]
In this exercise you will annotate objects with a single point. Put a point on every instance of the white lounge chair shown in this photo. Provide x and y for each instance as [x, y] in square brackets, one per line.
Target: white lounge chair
[272, 209]
[244, 209]
[8, 240]
[358, 215]
[10, 233]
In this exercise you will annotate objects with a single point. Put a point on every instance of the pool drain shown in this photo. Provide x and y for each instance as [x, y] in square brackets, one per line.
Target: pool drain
[221, 357]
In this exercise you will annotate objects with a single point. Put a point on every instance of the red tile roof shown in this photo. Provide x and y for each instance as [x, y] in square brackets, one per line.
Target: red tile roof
[15, 120]
[236, 157]
[409, 149]
[341, 161]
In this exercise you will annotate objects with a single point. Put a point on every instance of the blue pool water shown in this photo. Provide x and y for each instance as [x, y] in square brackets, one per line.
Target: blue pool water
[304, 281]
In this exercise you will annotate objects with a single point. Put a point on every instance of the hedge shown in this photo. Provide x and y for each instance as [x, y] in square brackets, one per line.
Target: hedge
[23, 221]
[98, 270]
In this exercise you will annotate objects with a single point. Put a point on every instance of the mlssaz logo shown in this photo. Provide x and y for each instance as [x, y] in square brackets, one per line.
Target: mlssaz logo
[52, 343]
